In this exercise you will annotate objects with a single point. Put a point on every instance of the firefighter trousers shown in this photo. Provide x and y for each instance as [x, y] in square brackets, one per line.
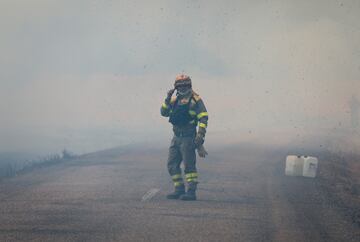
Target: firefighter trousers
[182, 149]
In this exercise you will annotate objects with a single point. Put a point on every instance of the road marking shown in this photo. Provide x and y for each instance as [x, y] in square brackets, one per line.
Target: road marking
[150, 194]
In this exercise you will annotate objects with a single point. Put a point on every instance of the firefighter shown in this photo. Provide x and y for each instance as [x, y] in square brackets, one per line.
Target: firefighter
[186, 111]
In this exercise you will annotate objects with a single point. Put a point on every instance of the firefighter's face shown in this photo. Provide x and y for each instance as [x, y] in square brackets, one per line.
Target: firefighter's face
[183, 89]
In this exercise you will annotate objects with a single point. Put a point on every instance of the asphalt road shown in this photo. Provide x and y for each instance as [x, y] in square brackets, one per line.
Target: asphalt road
[119, 195]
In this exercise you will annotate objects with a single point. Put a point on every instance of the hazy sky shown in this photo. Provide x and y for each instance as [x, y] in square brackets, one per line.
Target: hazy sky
[92, 74]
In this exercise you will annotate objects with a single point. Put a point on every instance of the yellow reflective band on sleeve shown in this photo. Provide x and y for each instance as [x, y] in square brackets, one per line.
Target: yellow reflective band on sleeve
[202, 125]
[192, 113]
[164, 106]
[203, 114]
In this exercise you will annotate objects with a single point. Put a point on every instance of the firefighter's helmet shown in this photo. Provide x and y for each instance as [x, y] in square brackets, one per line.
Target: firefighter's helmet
[182, 80]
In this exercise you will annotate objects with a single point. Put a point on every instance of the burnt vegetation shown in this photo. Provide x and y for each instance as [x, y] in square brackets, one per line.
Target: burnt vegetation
[13, 164]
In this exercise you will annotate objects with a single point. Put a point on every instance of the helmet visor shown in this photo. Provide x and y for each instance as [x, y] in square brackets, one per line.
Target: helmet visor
[183, 89]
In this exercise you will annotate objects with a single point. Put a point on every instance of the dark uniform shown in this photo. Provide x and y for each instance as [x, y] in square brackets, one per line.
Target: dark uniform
[182, 146]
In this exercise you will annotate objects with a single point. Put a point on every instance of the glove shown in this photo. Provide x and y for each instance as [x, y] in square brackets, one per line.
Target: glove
[169, 94]
[201, 151]
[199, 139]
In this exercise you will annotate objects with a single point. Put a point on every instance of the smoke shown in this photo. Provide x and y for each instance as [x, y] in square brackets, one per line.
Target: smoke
[93, 74]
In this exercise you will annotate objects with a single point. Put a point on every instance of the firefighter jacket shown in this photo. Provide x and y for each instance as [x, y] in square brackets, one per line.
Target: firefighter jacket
[197, 114]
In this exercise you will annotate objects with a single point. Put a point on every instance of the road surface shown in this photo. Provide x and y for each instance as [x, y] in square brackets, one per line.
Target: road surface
[119, 195]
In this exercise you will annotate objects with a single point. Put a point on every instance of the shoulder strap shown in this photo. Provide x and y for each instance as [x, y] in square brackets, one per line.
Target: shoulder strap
[196, 96]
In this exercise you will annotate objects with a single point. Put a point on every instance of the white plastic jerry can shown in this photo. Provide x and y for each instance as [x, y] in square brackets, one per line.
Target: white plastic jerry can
[310, 166]
[294, 165]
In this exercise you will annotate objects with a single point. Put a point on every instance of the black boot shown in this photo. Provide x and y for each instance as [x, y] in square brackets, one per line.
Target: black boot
[179, 190]
[190, 195]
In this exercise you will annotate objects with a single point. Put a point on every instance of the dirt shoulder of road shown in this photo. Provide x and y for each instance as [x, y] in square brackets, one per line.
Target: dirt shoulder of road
[325, 208]
[339, 177]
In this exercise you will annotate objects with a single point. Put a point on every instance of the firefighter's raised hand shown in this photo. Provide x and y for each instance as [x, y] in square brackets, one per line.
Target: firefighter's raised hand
[169, 94]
